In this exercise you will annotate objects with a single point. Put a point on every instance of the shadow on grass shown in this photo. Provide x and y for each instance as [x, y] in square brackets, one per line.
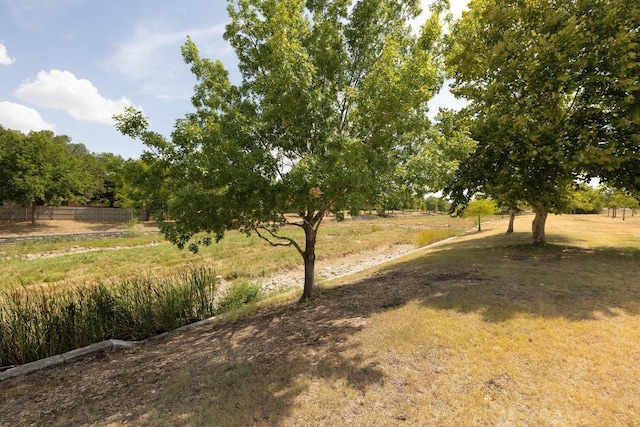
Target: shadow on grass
[20, 227]
[256, 370]
[504, 276]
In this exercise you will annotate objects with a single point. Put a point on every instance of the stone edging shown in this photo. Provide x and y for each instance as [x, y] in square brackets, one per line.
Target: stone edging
[105, 345]
[67, 357]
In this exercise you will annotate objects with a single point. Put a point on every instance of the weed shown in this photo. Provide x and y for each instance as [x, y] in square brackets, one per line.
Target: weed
[238, 295]
[36, 323]
[430, 236]
[131, 224]
[232, 275]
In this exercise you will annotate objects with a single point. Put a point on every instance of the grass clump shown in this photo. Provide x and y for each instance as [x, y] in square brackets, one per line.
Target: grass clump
[239, 294]
[434, 235]
[37, 323]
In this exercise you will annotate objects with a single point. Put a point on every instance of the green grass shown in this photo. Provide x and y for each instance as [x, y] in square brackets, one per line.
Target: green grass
[481, 330]
[236, 256]
[36, 324]
[237, 295]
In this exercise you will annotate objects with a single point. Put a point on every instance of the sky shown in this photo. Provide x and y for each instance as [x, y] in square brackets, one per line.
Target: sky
[70, 65]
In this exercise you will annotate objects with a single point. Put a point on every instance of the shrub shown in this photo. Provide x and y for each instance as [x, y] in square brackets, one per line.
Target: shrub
[238, 295]
[434, 235]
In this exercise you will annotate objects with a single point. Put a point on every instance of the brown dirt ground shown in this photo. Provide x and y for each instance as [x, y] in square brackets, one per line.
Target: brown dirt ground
[126, 387]
[49, 228]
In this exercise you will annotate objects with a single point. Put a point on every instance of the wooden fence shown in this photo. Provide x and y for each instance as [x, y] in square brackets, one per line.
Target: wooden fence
[76, 213]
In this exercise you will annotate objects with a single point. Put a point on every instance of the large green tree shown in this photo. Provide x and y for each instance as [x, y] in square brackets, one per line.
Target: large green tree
[39, 167]
[550, 101]
[110, 169]
[333, 100]
[606, 75]
[145, 185]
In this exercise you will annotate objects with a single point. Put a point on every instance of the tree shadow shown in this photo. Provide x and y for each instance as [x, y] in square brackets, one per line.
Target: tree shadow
[502, 277]
[253, 371]
[19, 228]
[257, 370]
[248, 372]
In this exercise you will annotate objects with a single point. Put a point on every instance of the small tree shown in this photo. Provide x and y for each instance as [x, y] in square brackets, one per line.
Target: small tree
[480, 208]
[332, 103]
[431, 203]
[621, 199]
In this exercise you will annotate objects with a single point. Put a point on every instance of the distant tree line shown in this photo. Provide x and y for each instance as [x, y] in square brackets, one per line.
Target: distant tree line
[41, 168]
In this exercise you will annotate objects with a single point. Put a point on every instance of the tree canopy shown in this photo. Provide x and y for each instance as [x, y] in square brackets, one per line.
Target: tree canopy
[40, 167]
[553, 91]
[479, 208]
[332, 104]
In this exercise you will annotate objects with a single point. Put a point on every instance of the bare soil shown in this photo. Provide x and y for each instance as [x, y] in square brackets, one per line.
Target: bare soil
[129, 387]
[13, 229]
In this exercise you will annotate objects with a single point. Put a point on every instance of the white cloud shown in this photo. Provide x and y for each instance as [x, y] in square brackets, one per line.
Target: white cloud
[62, 90]
[151, 56]
[18, 117]
[5, 59]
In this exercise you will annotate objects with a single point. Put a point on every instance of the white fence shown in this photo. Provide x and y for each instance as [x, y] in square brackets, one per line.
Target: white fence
[77, 213]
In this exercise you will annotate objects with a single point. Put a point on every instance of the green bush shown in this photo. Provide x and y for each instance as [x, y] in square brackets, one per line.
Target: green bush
[430, 236]
[35, 323]
[131, 224]
[238, 295]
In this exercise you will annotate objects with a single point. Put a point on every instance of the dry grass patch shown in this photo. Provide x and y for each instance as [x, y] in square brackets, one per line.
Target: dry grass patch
[236, 257]
[484, 330]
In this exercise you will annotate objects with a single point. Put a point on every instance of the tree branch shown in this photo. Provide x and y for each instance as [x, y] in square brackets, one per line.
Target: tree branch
[283, 241]
[318, 218]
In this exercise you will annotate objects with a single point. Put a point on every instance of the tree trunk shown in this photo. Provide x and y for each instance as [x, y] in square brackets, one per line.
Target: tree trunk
[512, 217]
[33, 213]
[479, 226]
[309, 256]
[537, 227]
[624, 210]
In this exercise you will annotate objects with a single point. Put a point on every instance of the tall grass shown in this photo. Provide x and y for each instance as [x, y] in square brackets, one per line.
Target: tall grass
[434, 235]
[36, 323]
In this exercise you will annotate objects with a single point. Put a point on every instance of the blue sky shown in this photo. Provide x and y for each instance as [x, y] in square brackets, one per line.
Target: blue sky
[69, 65]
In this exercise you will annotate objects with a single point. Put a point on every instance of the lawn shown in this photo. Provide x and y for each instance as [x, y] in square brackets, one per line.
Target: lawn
[481, 330]
[63, 260]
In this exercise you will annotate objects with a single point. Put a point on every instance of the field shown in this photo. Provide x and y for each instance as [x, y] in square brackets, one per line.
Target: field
[481, 330]
[65, 260]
